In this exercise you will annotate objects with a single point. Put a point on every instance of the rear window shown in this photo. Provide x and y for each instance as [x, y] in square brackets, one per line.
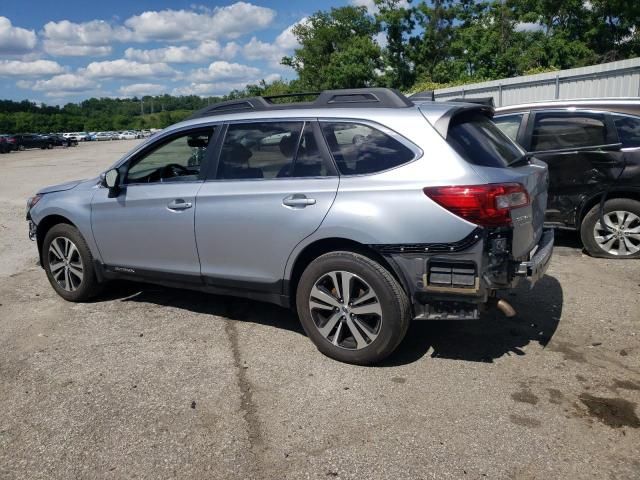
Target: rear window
[359, 149]
[480, 142]
[560, 130]
[628, 130]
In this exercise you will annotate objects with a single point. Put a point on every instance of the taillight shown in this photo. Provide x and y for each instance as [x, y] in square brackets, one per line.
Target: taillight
[486, 205]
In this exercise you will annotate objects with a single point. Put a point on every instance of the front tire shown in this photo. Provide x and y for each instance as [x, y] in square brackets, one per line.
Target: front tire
[68, 263]
[352, 308]
[622, 237]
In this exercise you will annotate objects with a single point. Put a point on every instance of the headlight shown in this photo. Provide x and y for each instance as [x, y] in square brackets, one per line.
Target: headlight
[32, 202]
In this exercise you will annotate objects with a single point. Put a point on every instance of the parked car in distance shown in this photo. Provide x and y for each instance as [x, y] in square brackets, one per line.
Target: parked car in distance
[60, 141]
[127, 136]
[360, 236]
[7, 143]
[592, 148]
[78, 136]
[33, 140]
[100, 136]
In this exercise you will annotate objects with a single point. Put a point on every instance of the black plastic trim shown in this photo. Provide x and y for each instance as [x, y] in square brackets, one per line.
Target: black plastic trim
[470, 240]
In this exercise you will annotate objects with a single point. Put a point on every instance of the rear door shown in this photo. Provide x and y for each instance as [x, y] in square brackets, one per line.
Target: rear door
[480, 142]
[573, 144]
[272, 187]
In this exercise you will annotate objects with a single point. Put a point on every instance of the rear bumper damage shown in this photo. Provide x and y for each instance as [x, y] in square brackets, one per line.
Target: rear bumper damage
[455, 281]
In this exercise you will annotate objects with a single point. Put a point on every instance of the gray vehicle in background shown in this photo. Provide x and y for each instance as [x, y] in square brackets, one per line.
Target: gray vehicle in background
[361, 209]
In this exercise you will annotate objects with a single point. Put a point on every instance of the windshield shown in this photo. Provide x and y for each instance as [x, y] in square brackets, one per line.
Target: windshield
[479, 141]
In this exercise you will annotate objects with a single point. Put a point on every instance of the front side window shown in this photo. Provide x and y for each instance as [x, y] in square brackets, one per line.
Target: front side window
[628, 130]
[259, 150]
[509, 124]
[177, 160]
[560, 130]
[359, 149]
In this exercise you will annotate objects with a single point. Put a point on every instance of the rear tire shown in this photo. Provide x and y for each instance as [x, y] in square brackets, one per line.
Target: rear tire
[68, 263]
[623, 240]
[360, 324]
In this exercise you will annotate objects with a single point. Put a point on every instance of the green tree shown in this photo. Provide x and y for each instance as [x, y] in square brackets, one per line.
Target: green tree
[397, 22]
[337, 50]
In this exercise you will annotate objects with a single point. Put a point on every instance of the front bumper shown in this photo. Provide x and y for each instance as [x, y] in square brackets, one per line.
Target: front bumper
[534, 269]
[32, 229]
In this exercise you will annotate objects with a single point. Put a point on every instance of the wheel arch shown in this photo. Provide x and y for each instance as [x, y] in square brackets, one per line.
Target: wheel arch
[45, 225]
[326, 245]
[589, 203]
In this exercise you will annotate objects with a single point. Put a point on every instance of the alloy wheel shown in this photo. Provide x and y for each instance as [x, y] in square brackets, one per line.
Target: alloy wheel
[622, 237]
[346, 310]
[65, 264]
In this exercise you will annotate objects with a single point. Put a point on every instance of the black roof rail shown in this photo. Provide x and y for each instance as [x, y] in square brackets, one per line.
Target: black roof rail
[353, 97]
[425, 95]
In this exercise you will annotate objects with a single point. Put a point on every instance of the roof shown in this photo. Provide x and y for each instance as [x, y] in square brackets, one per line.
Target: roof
[623, 104]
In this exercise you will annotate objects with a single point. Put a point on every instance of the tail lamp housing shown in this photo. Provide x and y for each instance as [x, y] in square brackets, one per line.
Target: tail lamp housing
[487, 205]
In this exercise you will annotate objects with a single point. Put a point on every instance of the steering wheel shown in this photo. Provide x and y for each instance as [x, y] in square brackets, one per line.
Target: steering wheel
[174, 170]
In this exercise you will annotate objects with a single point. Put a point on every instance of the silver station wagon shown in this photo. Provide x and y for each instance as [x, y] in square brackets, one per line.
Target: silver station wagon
[362, 210]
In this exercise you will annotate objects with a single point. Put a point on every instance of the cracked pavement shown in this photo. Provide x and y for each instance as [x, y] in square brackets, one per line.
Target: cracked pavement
[150, 382]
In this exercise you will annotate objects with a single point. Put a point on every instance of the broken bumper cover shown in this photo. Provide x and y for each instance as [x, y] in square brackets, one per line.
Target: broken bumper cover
[534, 269]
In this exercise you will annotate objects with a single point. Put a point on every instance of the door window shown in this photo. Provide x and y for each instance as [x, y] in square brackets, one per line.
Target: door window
[259, 150]
[560, 130]
[509, 124]
[359, 149]
[177, 160]
[628, 130]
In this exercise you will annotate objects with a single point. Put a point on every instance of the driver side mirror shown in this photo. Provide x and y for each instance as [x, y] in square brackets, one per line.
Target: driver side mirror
[112, 182]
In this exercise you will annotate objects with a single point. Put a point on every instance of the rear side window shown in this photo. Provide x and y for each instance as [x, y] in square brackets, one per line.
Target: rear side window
[259, 150]
[559, 130]
[509, 124]
[479, 141]
[359, 149]
[628, 130]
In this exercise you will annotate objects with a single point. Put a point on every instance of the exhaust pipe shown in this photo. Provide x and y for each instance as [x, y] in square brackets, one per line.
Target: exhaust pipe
[506, 308]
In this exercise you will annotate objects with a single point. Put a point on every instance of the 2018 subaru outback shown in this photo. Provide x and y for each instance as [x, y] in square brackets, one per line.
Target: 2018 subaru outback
[361, 209]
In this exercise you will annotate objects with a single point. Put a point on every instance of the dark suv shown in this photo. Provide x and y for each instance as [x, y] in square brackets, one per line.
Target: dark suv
[592, 148]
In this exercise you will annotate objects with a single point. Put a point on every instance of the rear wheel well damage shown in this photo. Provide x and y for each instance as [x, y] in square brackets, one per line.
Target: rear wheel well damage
[45, 225]
[320, 247]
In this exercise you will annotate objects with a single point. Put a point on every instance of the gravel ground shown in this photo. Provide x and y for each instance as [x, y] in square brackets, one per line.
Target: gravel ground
[149, 382]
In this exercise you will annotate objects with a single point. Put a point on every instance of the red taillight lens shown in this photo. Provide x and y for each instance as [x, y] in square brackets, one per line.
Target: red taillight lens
[486, 205]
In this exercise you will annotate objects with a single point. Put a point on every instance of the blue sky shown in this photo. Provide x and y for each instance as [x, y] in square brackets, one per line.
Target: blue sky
[60, 52]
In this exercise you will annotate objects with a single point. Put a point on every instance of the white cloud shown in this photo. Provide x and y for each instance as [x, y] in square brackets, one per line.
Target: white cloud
[528, 27]
[283, 45]
[79, 39]
[15, 40]
[68, 82]
[206, 51]
[122, 68]
[141, 89]
[219, 88]
[34, 68]
[222, 70]
[180, 25]
[371, 6]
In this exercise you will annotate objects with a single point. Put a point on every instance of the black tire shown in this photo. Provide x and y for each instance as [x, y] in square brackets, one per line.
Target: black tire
[88, 287]
[393, 302]
[591, 219]
[21, 148]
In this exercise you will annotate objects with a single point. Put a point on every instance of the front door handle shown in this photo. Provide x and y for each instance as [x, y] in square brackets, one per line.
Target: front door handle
[298, 200]
[179, 204]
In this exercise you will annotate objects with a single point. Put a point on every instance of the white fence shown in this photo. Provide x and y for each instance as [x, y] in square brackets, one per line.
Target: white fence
[615, 79]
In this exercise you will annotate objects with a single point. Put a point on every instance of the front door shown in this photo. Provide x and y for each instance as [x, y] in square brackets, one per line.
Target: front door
[149, 226]
[272, 189]
[574, 145]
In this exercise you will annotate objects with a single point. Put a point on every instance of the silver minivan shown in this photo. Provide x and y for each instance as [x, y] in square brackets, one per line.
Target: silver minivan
[361, 209]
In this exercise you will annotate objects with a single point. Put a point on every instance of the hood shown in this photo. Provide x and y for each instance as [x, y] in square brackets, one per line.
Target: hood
[61, 187]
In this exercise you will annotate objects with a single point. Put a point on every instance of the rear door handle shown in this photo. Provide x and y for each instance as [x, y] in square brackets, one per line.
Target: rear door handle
[298, 200]
[179, 204]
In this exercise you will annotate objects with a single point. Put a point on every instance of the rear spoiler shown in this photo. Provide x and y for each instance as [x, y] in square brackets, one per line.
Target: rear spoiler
[441, 125]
